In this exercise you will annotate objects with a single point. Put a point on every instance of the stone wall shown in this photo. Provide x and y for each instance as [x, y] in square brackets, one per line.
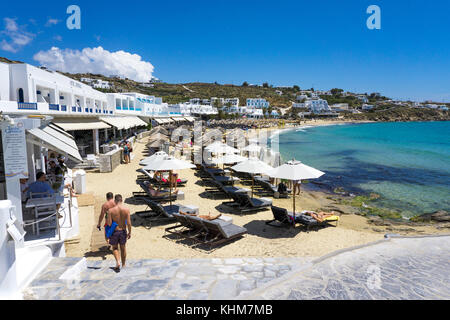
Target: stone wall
[111, 160]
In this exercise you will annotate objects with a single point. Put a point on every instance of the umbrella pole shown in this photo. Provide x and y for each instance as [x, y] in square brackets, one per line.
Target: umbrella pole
[253, 182]
[170, 188]
[294, 204]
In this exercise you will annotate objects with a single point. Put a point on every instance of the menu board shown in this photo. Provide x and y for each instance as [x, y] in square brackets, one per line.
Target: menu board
[14, 151]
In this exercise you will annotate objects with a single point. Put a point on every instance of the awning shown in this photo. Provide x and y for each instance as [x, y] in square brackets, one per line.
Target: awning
[124, 122]
[159, 121]
[80, 124]
[51, 139]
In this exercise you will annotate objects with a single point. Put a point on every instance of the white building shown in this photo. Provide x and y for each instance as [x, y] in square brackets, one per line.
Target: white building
[257, 103]
[314, 105]
[367, 107]
[234, 102]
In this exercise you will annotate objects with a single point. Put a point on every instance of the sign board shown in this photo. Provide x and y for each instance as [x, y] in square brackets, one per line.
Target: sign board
[15, 151]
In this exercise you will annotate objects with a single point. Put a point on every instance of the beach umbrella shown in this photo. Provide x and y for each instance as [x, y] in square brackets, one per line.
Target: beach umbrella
[158, 136]
[229, 158]
[169, 164]
[220, 147]
[252, 148]
[159, 130]
[295, 170]
[155, 144]
[154, 157]
[252, 166]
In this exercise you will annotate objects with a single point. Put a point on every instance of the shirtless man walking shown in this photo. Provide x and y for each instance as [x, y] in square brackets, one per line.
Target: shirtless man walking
[120, 215]
[105, 207]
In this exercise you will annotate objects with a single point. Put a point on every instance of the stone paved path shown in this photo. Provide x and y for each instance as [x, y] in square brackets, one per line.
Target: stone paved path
[399, 268]
[161, 279]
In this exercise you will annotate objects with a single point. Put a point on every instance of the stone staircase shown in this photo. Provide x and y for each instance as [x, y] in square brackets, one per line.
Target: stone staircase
[192, 279]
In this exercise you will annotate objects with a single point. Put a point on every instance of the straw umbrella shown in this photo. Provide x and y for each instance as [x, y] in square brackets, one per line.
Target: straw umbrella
[155, 143]
[252, 166]
[159, 130]
[169, 164]
[158, 136]
[295, 170]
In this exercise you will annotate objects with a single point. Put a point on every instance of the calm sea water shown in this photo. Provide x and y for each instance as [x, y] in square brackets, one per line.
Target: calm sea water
[408, 164]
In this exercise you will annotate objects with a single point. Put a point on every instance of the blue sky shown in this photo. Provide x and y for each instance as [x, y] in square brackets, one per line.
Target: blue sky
[320, 44]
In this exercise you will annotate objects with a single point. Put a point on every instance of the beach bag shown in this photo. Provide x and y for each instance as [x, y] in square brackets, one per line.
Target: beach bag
[109, 230]
[282, 188]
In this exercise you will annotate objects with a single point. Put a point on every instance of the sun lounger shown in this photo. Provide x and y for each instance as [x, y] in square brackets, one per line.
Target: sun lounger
[310, 222]
[244, 203]
[206, 232]
[283, 216]
[145, 194]
[158, 212]
[269, 189]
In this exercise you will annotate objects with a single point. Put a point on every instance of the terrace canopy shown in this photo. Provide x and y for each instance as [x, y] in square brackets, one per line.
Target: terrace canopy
[124, 122]
[72, 124]
[51, 138]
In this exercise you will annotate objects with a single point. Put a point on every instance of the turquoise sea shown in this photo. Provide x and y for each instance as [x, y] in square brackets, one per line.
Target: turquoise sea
[406, 163]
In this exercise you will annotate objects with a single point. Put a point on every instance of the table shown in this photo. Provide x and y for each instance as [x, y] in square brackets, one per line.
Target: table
[40, 202]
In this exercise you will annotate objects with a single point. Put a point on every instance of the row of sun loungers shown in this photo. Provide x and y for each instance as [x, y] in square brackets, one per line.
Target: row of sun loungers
[205, 232]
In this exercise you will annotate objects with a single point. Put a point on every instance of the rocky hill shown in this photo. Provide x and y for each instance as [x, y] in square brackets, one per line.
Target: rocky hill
[402, 114]
[182, 92]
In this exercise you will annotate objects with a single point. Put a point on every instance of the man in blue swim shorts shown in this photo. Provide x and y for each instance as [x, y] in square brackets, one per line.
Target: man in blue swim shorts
[121, 216]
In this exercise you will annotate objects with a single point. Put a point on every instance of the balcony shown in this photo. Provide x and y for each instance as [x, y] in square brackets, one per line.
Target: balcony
[53, 107]
[27, 106]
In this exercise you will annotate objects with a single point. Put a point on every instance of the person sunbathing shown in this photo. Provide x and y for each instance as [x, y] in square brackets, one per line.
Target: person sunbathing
[155, 193]
[320, 216]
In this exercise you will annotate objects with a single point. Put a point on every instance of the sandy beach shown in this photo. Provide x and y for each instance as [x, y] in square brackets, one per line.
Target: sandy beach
[261, 241]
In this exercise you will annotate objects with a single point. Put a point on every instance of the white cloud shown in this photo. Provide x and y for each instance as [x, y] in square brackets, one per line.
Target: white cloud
[7, 47]
[51, 22]
[96, 60]
[14, 37]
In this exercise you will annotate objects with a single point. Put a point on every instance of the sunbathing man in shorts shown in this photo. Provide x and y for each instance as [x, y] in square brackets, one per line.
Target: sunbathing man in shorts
[120, 215]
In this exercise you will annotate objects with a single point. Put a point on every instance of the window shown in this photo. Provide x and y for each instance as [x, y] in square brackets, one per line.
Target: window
[20, 94]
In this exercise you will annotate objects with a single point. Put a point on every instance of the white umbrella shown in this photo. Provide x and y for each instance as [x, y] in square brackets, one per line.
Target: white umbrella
[295, 170]
[229, 158]
[169, 164]
[219, 147]
[252, 148]
[252, 166]
[154, 157]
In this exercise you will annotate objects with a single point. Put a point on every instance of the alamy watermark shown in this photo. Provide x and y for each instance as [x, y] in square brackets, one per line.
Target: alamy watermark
[374, 21]
[374, 279]
[74, 20]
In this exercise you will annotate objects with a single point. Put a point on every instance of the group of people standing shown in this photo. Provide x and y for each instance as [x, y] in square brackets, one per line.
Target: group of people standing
[51, 182]
[117, 221]
[127, 149]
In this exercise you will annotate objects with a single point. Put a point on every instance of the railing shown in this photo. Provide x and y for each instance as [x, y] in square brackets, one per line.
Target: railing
[118, 108]
[79, 109]
[54, 107]
[27, 106]
[63, 107]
